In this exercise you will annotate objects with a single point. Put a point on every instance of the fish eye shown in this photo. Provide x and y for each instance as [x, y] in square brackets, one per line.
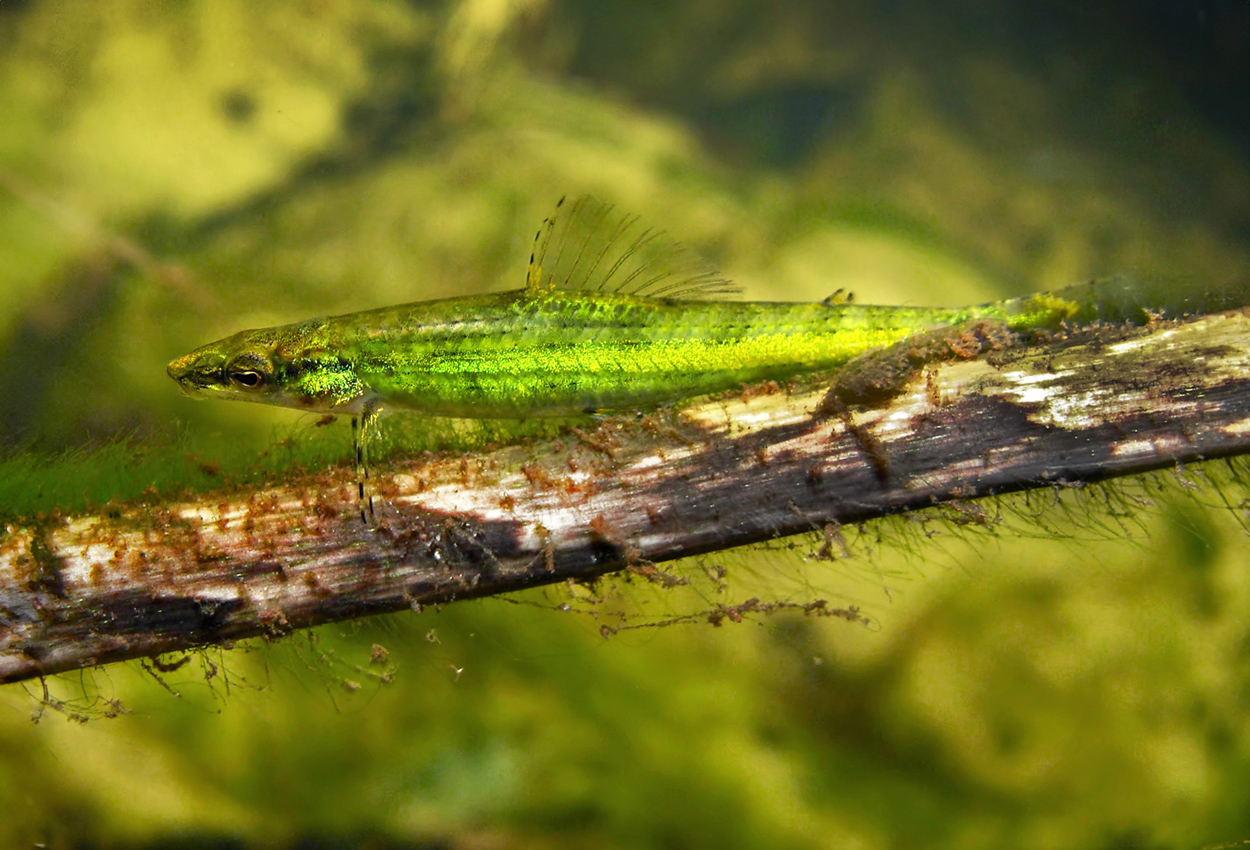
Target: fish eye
[247, 379]
[247, 372]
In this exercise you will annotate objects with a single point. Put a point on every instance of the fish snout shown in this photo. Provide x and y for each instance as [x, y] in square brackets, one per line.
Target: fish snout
[177, 369]
[191, 373]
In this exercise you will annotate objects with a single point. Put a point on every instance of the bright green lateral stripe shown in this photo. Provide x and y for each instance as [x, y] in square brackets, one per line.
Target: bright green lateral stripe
[518, 354]
[573, 352]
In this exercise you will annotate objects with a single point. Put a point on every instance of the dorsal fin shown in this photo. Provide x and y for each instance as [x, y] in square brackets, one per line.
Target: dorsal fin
[587, 244]
[838, 298]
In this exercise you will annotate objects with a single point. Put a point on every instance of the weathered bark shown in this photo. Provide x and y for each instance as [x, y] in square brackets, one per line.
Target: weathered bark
[147, 579]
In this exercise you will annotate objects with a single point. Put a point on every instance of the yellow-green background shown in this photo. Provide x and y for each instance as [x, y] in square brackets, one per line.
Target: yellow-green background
[172, 172]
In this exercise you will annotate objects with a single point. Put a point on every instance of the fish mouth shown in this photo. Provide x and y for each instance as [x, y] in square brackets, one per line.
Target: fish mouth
[191, 375]
[190, 391]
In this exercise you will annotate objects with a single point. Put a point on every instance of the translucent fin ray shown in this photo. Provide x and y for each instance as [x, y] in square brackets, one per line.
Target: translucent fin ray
[587, 245]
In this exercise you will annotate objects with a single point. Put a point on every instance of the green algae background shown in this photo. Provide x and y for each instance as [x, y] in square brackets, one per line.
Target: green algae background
[172, 172]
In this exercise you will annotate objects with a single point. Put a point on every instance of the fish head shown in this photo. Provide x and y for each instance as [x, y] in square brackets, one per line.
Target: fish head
[289, 366]
[238, 368]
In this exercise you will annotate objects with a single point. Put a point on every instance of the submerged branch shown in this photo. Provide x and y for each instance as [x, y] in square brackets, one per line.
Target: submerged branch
[141, 580]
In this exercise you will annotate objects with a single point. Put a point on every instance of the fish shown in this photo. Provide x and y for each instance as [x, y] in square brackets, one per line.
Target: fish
[614, 316]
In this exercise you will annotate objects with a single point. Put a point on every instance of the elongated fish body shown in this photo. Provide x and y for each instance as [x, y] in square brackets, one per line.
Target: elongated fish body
[610, 319]
[518, 354]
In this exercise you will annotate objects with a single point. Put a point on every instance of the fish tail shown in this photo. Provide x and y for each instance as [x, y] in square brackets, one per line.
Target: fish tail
[1123, 299]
